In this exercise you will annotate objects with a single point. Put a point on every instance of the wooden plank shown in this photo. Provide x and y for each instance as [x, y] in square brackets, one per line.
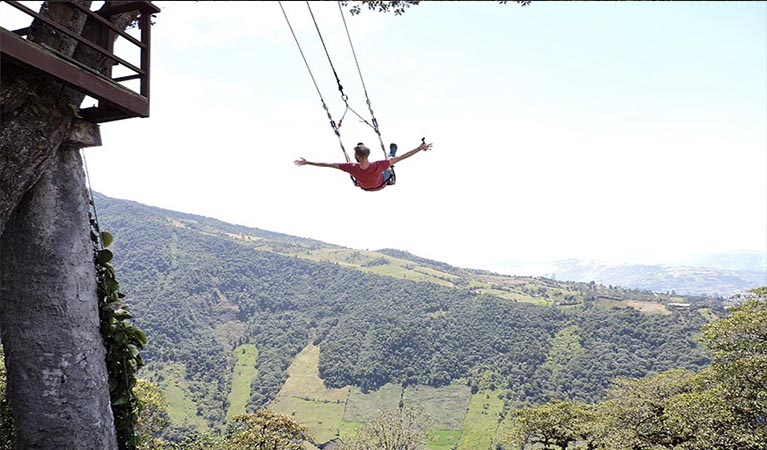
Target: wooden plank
[104, 113]
[77, 76]
[109, 25]
[77, 37]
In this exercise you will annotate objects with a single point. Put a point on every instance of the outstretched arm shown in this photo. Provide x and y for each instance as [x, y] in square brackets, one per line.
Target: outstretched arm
[397, 159]
[304, 162]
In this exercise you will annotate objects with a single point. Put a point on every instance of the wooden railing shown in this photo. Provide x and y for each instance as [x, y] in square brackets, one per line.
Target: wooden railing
[116, 101]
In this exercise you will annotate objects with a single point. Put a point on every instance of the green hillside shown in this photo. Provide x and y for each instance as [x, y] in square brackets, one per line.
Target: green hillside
[230, 309]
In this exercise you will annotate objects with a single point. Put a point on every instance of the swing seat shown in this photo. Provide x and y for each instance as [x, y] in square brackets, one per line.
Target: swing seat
[391, 180]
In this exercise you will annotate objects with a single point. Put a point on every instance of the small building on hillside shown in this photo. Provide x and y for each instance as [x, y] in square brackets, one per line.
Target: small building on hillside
[679, 305]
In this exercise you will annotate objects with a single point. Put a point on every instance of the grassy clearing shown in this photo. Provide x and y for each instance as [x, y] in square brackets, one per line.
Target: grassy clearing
[348, 430]
[181, 408]
[443, 439]
[481, 421]
[380, 264]
[406, 273]
[438, 273]
[304, 379]
[511, 288]
[647, 307]
[446, 406]
[244, 373]
[364, 407]
[324, 419]
[305, 398]
[515, 296]
[341, 412]
[330, 413]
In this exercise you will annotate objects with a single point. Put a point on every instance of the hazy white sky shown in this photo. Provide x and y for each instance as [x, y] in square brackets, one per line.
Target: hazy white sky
[619, 130]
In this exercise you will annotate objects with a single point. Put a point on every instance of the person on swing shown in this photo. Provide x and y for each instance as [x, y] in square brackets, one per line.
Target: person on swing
[370, 176]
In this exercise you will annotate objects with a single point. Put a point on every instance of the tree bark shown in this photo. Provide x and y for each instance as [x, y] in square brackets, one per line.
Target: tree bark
[57, 377]
[34, 111]
[55, 357]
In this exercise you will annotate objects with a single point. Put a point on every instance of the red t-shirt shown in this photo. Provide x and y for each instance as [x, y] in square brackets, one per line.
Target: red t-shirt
[369, 178]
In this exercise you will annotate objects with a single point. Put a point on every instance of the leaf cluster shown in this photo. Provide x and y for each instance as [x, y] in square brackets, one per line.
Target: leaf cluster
[7, 429]
[123, 341]
[397, 7]
[262, 430]
[723, 407]
[395, 429]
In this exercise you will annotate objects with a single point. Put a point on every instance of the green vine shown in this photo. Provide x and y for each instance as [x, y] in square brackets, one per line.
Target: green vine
[122, 340]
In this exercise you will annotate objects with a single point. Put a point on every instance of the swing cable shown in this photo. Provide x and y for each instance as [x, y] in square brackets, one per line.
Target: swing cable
[344, 97]
[324, 105]
[364, 88]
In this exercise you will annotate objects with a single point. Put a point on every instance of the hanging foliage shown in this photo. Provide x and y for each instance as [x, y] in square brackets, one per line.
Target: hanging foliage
[122, 340]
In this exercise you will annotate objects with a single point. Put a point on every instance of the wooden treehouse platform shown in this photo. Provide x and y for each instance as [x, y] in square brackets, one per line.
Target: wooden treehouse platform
[115, 100]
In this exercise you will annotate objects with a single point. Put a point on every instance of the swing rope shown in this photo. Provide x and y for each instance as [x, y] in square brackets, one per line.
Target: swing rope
[324, 105]
[364, 88]
[344, 97]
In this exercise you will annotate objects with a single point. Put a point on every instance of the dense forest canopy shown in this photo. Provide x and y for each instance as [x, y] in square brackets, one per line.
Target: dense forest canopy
[190, 277]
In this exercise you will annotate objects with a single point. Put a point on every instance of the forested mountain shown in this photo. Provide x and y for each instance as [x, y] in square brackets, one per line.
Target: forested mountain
[200, 288]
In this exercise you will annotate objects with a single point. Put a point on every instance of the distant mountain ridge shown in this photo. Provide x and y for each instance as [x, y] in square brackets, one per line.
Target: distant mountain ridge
[720, 274]
[682, 279]
[738, 261]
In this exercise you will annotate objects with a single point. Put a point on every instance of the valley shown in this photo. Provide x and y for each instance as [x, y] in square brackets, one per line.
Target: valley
[240, 318]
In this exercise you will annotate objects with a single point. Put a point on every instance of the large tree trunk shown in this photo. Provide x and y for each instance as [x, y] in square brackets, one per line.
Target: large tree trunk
[34, 111]
[49, 311]
[57, 379]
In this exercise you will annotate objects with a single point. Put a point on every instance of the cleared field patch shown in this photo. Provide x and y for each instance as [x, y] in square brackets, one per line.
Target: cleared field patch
[648, 307]
[348, 430]
[413, 274]
[304, 379]
[364, 407]
[443, 439]
[506, 426]
[446, 406]
[380, 264]
[515, 296]
[324, 419]
[481, 422]
[182, 410]
[305, 398]
[243, 375]
[438, 273]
